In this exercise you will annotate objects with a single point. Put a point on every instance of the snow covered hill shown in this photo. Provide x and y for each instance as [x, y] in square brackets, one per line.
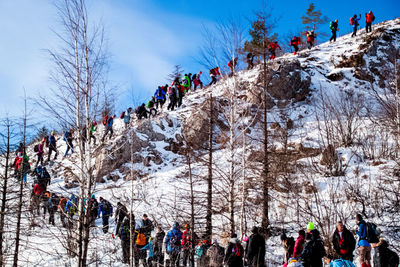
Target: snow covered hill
[332, 155]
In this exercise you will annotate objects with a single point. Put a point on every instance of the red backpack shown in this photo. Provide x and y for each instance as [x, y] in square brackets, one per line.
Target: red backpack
[122, 115]
[238, 250]
[351, 21]
[105, 120]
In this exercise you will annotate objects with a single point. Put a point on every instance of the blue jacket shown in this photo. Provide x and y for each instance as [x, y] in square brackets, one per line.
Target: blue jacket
[110, 122]
[52, 140]
[159, 94]
[70, 206]
[362, 233]
[341, 263]
[127, 116]
[103, 211]
[150, 248]
[173, 234]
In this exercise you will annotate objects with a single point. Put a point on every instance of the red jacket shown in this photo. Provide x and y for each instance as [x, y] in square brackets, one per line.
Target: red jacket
[369, 17]
[186, 239]
[298, 246]
[17, 163]
[274, 46]
[38, 190]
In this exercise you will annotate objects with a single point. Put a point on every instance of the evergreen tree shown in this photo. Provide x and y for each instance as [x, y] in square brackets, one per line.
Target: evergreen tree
[177, 72]
[260, 32]
[313, 18]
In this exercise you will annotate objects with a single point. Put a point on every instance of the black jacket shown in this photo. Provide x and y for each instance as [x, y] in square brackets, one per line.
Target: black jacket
[349, 244]
[121, 213]
[314, 250]
[256, 250]
[231, 258]
[384, 257]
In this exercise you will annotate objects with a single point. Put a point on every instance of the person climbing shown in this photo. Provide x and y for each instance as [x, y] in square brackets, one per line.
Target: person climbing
[332, 262]
[36, 197]
[216, 254]
[70, 209]
[255, 252]
[39, 150]
[21, 167]
[93, 207]
[185, 83]
[42, 176]
[369, 18]
[68, 140]
[61, 209]
[105, 210]
[93, 129]
[232, 64]
[343, 242]
[299, 244]
[333, 26]
[147, 225]
[173, 97]
[250, 59]
[20, 149]
[52, 146]
[150, 252]
[150, 105]
[272, 49]
[141, 242]
[125, 235]
[160, 97]
[83, 135]
[364, 247]
[187, 245]
[383, 256]
[201, 252]
[127, 117]
[172, 243]
[141, 112]
[51, 206]
[295, 42]
[109, 128]
[158, 246]
[213, 75]
[310, 38]
[234, 252]
[120, 214]
[181, 91]
[288, 246]
[314, 249]
[354, 21]
[197, 81]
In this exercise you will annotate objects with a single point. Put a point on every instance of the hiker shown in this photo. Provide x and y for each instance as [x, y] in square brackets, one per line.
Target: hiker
[83, 138]
[36, 197]
[288, 245]
[310, 38]
[232, 64]
[255, 251]
[331, 262]
[333, 26]
[141, 241]
[120, 214]
[21, 167]
[105, 210]
[215, 254]
[20, 149]
[61, 209]
[299, 244]
[187, 245]
[383, 256]
[250, 59]
[150, 252]
[150, 106]
[39, 150]
[173, 97]
[52, 146]
[125, 233]
[93, 129]
[295, 42]
[314, 249]
[369, 18]
[70, 208]
[172, 242]
[158, 246]
[141, 112]
[51, 206]
[364, 247]
[127, 117]
[343, 242]
[93, 207]
[109, 128]
[197, 81]
[354, 21]
[234, 252]
[181, 91]
[186, 83]
[42, 176]
[68, 140]
[272, 49]
[213, 75]
[201, 252]
[147, 225]
[160, 97]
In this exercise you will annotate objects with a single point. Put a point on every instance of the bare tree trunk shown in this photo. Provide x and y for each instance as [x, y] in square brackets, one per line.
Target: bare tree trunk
[244, 191]
[4, 192]
[210, 173]
[188, 161]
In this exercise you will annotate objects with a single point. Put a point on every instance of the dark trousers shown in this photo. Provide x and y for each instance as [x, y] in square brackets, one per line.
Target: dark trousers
[368, 27]
[108, 130]
[186, 255]
[51, 149]
[180, 98]
[51, 217]
[160, 102]
[354, 31]
[213, 80]
[333, 37]
[125, 244]
[69, 146]
[172, 104]
[39, 159]
[173, 259]
[105, 222]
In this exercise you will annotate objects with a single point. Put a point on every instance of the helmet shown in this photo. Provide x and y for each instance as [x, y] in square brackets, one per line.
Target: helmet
[310, 226]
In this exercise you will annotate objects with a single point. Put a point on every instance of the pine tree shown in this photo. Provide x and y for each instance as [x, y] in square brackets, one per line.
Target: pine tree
[177, 72]
[313, 18]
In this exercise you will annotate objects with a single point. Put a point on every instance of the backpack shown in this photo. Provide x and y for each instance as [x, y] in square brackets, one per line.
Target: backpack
[105, 120]
[185, 82]
[372, 233]
[238, 250]
[351, 21]
[174, 242]
[140, 239]
[331, 25]
[122, 115]
[372, 17]
[107, 206]
[160, 93]
[36, 148]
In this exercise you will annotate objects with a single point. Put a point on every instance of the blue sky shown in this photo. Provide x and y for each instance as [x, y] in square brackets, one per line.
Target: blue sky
[146, 38]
